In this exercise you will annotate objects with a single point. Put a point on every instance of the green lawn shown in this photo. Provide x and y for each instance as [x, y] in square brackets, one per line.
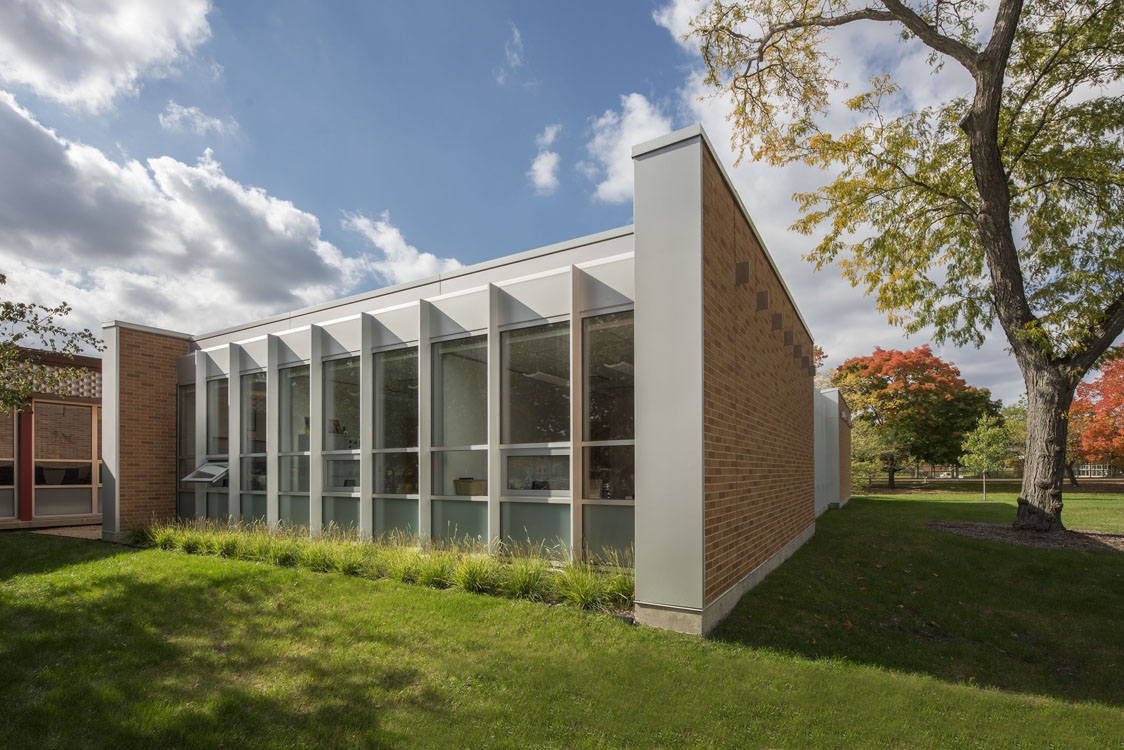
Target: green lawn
[108, 646]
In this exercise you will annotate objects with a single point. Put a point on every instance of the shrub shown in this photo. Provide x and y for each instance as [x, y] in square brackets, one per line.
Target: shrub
[582, 585]
[477, 573]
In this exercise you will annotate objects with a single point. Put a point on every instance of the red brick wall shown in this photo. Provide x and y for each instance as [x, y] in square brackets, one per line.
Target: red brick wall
[147, 382]
[759, 489]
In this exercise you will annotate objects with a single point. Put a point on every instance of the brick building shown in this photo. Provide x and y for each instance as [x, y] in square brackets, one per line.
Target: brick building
[648, 388]
[50, 453]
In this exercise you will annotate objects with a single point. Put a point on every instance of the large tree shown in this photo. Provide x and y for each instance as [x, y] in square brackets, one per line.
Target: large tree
[24, 324]
[919, 403]
[1005, 203]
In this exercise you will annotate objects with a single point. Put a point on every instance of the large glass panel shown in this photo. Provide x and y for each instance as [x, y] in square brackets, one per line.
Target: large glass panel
[7, 502]
[608, 344]
[341, 472]
[341, 511]
[396, 473]
[396, 398]
[341, 404]
[63, 431]
[253, 413]
[61, 501]
[396, 515]
[253, 508]
[460, 472]
[538, 473]
[608, 530]
[294, 415]
[294, 474]
[218, 420]
[536, 384]
[254, 473]
[63, 473]
[536, 524]
[459, 519]
[610, 472]
[293, 509]
[460, 391]
[186, 421]
[185, 505]
[7, 473]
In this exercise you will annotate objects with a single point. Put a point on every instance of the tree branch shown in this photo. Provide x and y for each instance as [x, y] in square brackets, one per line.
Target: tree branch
[954, 48]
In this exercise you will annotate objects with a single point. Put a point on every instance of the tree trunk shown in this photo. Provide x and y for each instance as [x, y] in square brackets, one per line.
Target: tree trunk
[1072, 476]
[985, 486]
[891, 470]
[1049, 395]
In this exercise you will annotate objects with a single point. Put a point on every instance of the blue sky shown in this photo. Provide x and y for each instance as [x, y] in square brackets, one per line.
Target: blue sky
[196, 166]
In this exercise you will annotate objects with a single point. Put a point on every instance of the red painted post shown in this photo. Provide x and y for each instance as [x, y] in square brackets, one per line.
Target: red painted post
[25, 479]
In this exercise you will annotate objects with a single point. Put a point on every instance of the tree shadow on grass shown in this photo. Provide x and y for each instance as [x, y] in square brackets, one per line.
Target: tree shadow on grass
[875, 586]
[120, 659]
[25, 553]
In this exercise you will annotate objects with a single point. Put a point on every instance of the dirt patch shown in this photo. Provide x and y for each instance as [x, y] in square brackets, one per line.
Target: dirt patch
[997, 532]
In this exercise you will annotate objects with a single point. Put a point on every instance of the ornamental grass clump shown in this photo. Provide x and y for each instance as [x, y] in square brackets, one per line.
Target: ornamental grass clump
[436, 569]
[584, 586]
[528, 578]
[477, 573]
[403, 563]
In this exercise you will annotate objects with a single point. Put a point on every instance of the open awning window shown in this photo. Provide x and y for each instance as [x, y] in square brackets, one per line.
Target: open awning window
[207, 473]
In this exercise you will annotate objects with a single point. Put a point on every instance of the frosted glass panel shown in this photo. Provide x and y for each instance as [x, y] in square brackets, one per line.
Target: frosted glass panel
[458, 519]
[185, 505]
[63, 500]
[460, 391]
[396, 398]
[293, 509]
[536, 384]
[534, 524]
[396, 515]
[460, 472]
[396, 473]
[253, 508]
[341, 404]
[218, 505]
[608, 527]
[253, 413]
[62, 431]
[294, 414]
[7, 503]
[342, 511]
[186, 421]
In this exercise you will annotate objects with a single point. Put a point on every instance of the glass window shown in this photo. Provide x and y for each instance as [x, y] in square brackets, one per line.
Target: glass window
[253, 413]
[396, 473]
[253, 476]
[396, 398]
[608, 350]
[7, 435]
[60, 501]
[343, 512]
[253, 507]
[293, 509]
[395, 515]
[63, 431]
[610, 472]
[7, 502]
[538, 473]
[341, 404]
[460, 391]
[294, 474]
[460, 473]
[294, 414]
[536, 384]
[217, 505]
[187, 421]
[608, 530]
[218, 420]
[341, 473]
[459, 519]
[59, 473]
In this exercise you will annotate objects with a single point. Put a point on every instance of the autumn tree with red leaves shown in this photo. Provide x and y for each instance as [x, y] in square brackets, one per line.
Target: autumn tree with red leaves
[919, 402]
[1097, 414]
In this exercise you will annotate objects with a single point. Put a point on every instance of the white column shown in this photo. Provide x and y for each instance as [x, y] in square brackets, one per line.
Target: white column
[425, 425]
[111, 435]
[316, 431]
[272, 414]
[577, 410]
[234, 437]
[495, 459]
[200, 431]
[366, 423]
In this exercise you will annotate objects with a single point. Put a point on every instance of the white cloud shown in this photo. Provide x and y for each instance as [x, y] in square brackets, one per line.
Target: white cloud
[400, 260]
[543, 173]
[86, 53]
[180, 246]
[512, 57]
[614, 135]
[546, 138]
[178, 118]
[676, 17]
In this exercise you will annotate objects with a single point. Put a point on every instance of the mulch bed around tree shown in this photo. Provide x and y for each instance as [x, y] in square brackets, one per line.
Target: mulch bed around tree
[997, 532]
